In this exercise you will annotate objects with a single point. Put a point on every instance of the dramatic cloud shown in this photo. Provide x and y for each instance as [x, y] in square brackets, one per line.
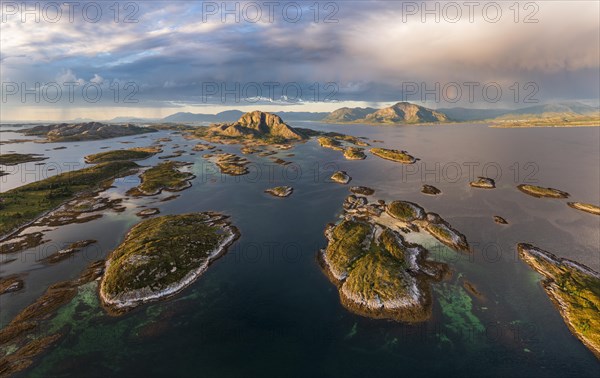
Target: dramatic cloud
[176, 53]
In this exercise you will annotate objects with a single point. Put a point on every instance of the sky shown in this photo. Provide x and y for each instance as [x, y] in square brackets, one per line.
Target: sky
[150, 59]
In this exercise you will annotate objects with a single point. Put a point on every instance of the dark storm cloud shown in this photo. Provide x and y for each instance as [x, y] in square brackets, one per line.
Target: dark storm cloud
[371, 53]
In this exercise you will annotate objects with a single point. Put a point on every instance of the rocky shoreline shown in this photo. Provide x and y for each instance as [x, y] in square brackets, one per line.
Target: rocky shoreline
[163, 177]
[280, 191]
[137, 274]
[539, 192]
[378, 273]
[574, 290]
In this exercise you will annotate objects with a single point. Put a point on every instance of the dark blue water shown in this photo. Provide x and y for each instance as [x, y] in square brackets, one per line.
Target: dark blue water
[266, 309]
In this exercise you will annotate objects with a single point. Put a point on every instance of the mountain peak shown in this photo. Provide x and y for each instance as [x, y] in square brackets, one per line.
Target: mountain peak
[257, 124]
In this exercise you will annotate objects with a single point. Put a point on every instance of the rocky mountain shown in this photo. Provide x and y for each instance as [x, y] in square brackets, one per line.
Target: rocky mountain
[66, 132]
[226, 116]
[399, 113]
[233, 115]
[565, 109]
[257, 124]
[572, 109]
[348, 114]
[405, 112]
[302, 116]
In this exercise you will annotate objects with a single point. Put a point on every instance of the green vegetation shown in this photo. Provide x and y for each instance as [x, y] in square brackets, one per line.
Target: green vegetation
[334, 142]
[162, 255]
[259, 128]
[587, 207]
[231, 164]
[443, 232]
[566, 120]
[347, 138]
[138, 153]
[405, 211]
[538, 191]
[354, 153]
[393, 155]
[346, 242]
[362, 190]
[375, 275]
[341, 177]
[14, 159]
[10, 284]
[71, 132]
[280, 191]
[573, 288]
[483, 183]
[331, 143]
[164, 176]
[431, 190]
[24, 204]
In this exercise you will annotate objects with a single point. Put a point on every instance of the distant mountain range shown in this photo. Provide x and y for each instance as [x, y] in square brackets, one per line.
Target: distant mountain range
[226, 116]
[399, 113]
[568, 109]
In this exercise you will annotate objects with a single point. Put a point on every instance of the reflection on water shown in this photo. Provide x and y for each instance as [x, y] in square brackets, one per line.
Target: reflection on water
[266, 309]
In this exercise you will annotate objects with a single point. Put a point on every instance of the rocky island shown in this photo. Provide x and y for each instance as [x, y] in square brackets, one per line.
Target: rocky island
[435, 225]
[258, 128]
[70, 132]
[378, 273]
[67, 252]
[483, 183]
[587, 207]
[230, 164]
[10, 284]
[539, 192]
[14, 159]
[573, 288]
[280, 191]
[137, 153]
[163, 255]
[147, 212]
[431, 190]
[354, 153]
[362, 190]
[394, 155]
[341, 177]
[164, 176]
[331, 143]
